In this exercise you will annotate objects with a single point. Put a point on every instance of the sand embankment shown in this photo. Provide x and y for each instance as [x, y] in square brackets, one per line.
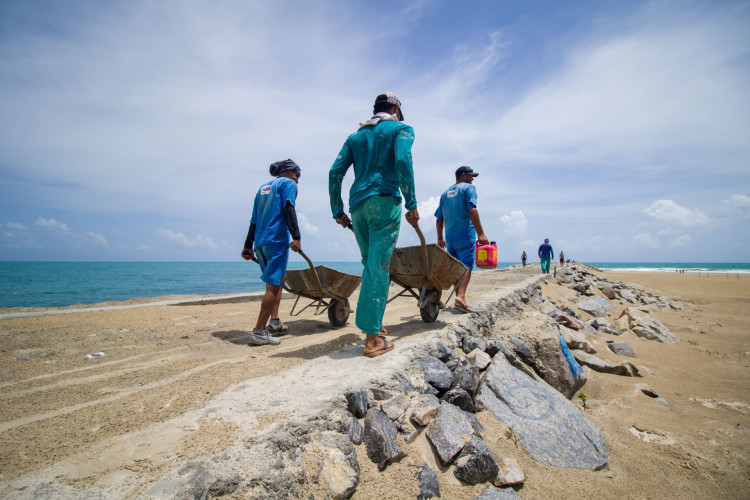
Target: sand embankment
[178, 383]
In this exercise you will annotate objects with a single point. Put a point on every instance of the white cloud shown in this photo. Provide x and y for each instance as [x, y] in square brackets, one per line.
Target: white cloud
[180, 239]
[515, 223]
[737, 203]
[15, 225]
[99, 239]
[307, 228]
[671, 213]
[52, 224]
[646, 240]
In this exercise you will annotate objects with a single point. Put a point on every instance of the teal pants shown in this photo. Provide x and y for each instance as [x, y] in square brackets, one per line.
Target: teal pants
[376, 225]
[545, 264]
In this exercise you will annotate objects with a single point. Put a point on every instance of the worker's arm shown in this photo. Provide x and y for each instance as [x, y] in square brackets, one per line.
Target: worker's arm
[247, 251]
[474, 216]
[290, 216]
[336, 177]
[439, 227]
[405, 169]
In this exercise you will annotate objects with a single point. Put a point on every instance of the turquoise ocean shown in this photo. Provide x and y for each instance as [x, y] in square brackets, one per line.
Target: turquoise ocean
[59, 284]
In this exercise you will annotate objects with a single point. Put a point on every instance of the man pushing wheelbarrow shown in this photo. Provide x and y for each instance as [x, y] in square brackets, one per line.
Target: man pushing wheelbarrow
[381, 154]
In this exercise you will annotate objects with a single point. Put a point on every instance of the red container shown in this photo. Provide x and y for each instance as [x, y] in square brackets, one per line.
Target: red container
[486, 255]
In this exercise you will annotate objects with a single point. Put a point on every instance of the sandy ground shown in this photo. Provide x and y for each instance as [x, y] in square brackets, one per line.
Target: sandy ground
[163, 361]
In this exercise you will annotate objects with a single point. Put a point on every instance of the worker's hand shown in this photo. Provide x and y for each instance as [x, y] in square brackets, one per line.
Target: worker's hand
[344, 220]
[247, 254]
[296, 246]
[441, 242]
[483, 239]
[412, 216]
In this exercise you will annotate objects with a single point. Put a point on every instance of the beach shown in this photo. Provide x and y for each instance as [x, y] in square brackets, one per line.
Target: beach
[172, 384]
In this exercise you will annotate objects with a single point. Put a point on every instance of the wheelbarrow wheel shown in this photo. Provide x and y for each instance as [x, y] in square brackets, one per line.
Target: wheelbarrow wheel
[338, 314]
[431, 308]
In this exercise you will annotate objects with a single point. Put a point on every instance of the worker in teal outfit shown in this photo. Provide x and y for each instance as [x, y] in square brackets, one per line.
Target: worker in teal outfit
[381, 154]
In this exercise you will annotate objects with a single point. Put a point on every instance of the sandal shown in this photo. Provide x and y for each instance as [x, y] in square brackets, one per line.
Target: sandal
[462, 309]
[387, 346]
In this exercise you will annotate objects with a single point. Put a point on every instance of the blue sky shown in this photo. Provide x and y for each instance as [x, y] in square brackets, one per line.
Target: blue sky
[141, 130]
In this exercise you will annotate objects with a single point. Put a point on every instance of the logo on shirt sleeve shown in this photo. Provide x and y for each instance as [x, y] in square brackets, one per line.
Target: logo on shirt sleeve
[265, 190]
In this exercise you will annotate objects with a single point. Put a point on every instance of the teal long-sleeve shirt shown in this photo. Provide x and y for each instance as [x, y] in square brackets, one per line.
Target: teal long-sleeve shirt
[381, 155]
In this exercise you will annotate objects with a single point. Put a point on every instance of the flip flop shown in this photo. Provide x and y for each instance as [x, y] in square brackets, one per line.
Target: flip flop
[462, 309]
[387, 346]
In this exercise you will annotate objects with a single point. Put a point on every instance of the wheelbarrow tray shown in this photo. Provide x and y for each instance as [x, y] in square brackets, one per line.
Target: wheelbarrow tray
[407, 267]
[336, 284]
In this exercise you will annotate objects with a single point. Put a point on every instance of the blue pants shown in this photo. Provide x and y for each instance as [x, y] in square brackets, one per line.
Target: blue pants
[545, 264]
[376, 226]
[463, 251]
[273, 260]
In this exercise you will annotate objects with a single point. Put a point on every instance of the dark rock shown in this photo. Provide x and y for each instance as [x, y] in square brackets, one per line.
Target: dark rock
[453, 363]
[466, 377]
[548, 426]
[406, 384]
[430, 390]
[354, 430]
[520, 347]
[379, 436]
[474, 421]
[475, 463]
[621, 349]
[459, 397]
[357, 403]
[429, 486]
[436, 373]
[444, 352]
[449, 432]
[492, 347]
[471, 342]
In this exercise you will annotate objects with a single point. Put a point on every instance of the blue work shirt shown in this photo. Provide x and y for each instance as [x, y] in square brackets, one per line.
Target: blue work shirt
[455, 204]
[381, 155]
[545, 251]
[268, 217]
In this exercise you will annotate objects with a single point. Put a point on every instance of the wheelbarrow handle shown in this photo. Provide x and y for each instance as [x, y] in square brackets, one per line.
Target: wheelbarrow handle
[312, 268]
[427, 272]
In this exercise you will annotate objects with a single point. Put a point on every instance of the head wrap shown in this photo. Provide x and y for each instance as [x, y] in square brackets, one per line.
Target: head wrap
[282, 166]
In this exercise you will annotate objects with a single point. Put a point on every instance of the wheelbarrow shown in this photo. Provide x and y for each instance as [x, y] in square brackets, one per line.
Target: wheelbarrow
[328, 289]
[428, 269]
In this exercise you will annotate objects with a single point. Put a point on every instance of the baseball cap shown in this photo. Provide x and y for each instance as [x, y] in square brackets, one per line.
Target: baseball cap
[465, 170]
[390, 98]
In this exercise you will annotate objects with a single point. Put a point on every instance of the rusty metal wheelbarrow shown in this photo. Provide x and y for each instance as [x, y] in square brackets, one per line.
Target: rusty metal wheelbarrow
[427, 268]
[327, 288]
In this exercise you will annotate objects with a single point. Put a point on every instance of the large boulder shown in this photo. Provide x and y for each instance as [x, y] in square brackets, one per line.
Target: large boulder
[643, 325]
[449, 432]
[379, 438]
[549, 427]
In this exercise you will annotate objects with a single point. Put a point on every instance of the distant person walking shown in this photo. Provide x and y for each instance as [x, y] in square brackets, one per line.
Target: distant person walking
[274, 219]
[523, 258]
[381, 154]
[545, 254]
[458, 213]
[562, 258]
